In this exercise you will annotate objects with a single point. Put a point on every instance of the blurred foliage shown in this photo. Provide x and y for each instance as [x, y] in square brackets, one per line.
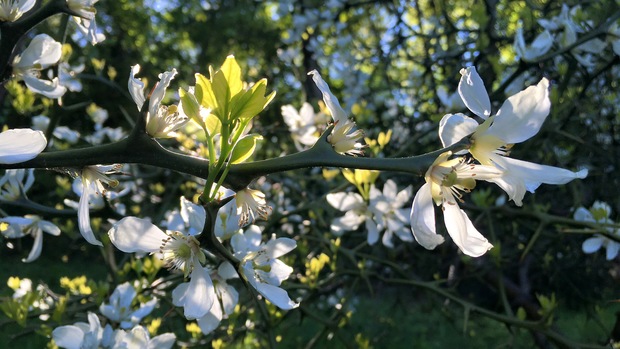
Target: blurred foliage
[386, 61]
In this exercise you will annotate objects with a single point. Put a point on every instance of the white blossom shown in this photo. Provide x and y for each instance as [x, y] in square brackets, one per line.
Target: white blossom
[518, 119]
[41, 53]
[20, 144]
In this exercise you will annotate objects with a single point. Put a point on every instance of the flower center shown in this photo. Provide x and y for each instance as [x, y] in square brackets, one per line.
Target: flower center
[180, 251]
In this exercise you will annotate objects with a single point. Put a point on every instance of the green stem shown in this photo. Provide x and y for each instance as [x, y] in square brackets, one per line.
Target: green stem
[139, 148]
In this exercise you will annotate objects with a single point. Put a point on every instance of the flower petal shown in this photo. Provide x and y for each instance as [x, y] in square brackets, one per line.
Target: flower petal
[423, 219]
[463, 232]
[199, 295]
[49, 88]
[37, 246]
[338, 114]
[160, 91]
[592, 244]
[345, 201]
[163, 341]
[84, 215]
[276, 296]
[583, 214]
[136, 87]
[454, 127]
[211, 320]
[612, 250]
[132, 234]
[69, 337]
[522, 115]
[19, 145]
[276, 248]
[474, 94]
[42, 50]
[520, 176]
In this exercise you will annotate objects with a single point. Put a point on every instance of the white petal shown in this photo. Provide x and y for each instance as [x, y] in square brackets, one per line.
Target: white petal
[612, 250]
[49, 88]
[194, 215]
[69, 337]
[474, 94]
[454, 127]
[19, 145]
[163, 341]
[276, 296]
[522, 115]
[49, 227]
[350, 221]
[532, 175]
[212, 319]
[136, 86]
[199, 296]
[42, 50]
[423, 219]
[159, 92]
[583, 214]
[541, 45]
[36, 248]
[345, 201]
[227, 271]
[373, 231]
[338, 114]
[229, 297]
[463, 232]
[592, 244]
[84, 215]
[279, 247]
[132, 234]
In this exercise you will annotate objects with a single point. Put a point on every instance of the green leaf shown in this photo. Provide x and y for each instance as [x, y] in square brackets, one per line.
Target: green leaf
[247, 105]
[205, 94]
[232, 73]
[244, 148]
[191, 107]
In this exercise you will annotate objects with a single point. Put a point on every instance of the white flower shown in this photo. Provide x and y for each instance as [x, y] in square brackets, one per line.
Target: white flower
[356, 213]
[224, 304]
[599, 213]
[161, 121]
[227, 222]
[93, 178]
[83, 335]
[67, 76]
[388, 212]
[42, 53]
[86, 20]
[41, 123]
[179, 250]
[119, 310]
[519, 118]
[12, 10]
[541, 45]
[303, 124]
[445, 180]
[190, 218]
[250, 204]
[567, 31]
[343, 138]
[20, 144]
[15, 183]
[261, 267]
[29, 225]
[139, 338]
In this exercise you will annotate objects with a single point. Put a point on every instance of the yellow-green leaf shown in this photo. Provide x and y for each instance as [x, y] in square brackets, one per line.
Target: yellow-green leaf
[191, 107]
[232, 73]
[204, 93]
[244, 148]
[247, 105]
